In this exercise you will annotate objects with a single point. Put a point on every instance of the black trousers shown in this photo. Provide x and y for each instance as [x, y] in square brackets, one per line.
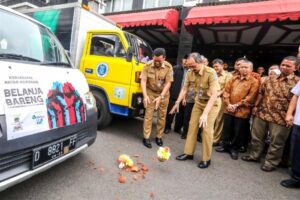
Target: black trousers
[295, 150]
[235, 132]
[186, 119]
[187, 116]
[178, 116]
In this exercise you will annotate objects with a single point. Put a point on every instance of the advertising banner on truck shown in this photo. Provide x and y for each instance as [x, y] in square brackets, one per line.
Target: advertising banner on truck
[59, 21]
[34, 103]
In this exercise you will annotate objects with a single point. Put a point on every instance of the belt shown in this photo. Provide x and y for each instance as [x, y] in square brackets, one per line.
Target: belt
[206, 100]
[203, 100]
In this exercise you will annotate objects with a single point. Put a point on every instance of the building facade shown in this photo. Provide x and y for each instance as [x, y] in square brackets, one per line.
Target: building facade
[265, 31]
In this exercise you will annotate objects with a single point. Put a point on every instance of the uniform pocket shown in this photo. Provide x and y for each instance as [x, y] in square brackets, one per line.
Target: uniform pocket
[150, 75]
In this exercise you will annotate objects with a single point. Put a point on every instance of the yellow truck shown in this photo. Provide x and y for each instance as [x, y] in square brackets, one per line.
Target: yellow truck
[110, 58]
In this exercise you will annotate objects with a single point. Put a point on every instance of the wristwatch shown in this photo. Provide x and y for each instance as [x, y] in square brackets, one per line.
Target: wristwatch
[161, 96]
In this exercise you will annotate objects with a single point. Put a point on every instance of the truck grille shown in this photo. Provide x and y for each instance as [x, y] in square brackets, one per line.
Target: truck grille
[15, 159]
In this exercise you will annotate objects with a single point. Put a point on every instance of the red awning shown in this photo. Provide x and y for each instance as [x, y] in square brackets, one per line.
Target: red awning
[270, 11]
[167, 18]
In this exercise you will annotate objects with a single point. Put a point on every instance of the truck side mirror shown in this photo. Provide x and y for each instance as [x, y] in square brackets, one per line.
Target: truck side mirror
[129, 54]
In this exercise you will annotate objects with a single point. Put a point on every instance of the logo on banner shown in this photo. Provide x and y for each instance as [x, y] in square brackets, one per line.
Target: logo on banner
[17, 124]
[38, 118]
[102, 70]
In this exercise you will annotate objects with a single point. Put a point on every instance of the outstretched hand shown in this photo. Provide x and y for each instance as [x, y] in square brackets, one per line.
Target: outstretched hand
[175, 109]
[203, 121]
[157, 102]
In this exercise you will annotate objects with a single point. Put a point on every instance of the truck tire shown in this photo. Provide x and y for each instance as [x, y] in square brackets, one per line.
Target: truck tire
[104, 116]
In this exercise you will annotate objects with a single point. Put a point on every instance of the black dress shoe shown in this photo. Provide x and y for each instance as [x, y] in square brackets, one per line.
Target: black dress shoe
[147, 143]
[204, 164]
[290, 183]
[221, 149]
[166, 131]
[183, 136]
[183, 157]
[178, 131]
[159, 141]
[242, 149]
[216, 144]
[234, 154]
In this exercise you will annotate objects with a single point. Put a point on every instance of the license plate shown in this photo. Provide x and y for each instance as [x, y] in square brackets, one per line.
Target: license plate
[52, 151]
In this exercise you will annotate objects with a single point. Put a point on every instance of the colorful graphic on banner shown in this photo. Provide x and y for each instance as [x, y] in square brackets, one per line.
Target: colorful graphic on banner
[64, 105]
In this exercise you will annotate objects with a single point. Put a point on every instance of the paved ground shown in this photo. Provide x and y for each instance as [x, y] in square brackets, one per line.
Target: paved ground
[77, 178]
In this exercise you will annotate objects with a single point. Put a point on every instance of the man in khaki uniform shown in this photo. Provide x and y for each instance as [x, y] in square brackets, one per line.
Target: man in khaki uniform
[205, 110]
[157, 76]
[223, 77]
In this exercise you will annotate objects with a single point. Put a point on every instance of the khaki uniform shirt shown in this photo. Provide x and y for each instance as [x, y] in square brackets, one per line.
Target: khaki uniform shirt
[276, 98]
[223, 78]
[157, 77]
[203, 83]
[243, 91]
[191, 92]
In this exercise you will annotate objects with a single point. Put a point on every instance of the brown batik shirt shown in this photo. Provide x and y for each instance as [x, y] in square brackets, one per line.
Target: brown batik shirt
[276, 96]
[241, 90]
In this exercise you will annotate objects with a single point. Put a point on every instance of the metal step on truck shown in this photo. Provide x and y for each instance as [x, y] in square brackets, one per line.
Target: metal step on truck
[47, 113]
[110, 58]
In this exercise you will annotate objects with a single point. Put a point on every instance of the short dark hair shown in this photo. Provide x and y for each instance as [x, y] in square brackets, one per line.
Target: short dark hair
[293, 59]
[218, 61]
[185, 56]
[159, 52]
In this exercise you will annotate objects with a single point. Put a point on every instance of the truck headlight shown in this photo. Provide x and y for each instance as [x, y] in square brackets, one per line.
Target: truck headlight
[90, 101]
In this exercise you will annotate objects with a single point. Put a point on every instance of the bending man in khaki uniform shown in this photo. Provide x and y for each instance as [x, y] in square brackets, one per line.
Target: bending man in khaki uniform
[205, 110]
[157, 76]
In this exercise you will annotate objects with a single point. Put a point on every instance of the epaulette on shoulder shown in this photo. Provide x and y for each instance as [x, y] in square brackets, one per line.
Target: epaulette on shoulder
[210, 70]
[167, 64]
[149, 62]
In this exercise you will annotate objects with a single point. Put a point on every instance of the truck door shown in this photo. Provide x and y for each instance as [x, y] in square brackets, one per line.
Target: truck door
[105, 65]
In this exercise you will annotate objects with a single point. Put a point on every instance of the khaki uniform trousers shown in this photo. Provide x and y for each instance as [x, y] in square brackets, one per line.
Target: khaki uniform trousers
[161, 115]
[207, 133]
[279, 135]
[219, 124]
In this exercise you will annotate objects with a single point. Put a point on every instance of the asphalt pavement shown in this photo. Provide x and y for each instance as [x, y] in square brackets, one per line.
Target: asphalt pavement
[94, 174]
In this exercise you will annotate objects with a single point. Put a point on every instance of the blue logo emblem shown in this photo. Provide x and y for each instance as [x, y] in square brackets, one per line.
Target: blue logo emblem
[102, 70]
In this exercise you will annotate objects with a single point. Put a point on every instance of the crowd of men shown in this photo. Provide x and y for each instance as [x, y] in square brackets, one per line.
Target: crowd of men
[219, 106]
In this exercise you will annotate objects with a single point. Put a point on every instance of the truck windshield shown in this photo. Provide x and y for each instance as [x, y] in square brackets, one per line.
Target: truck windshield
[144, 51]
[22, 39]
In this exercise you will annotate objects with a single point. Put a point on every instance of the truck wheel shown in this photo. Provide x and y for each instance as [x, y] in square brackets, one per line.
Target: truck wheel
[104, 116]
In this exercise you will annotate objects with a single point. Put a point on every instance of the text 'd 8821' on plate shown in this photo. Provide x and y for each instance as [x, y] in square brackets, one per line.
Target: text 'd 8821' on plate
[49, 152]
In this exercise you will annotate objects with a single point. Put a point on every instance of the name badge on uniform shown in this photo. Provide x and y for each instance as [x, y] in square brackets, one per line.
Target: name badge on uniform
[160, 82]
[200, 94]
[191, 93]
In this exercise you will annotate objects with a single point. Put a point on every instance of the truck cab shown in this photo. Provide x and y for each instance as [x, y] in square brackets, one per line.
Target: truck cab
[112, 62]
[47, 113]
[110, 58]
